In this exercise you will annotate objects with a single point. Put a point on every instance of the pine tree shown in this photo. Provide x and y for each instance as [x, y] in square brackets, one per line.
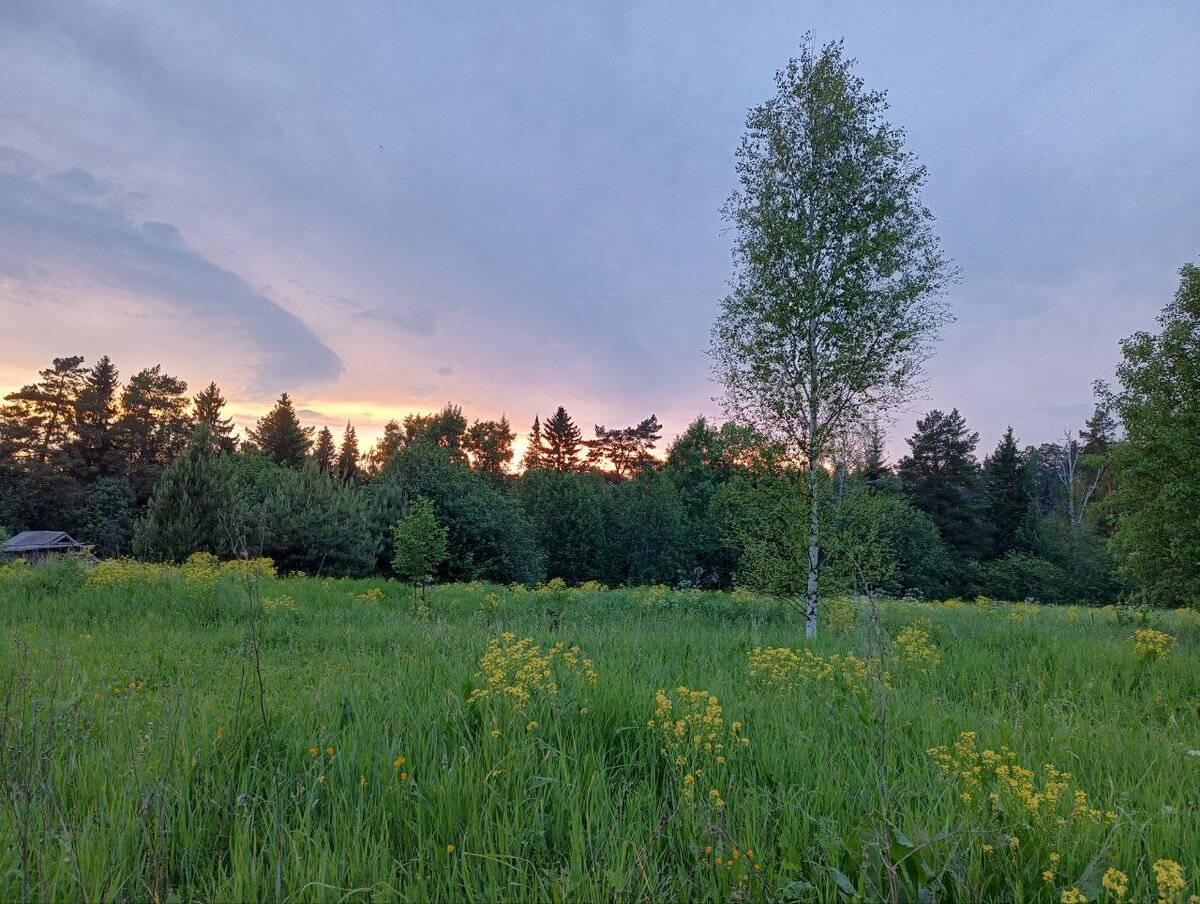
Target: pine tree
[189, 506]
[535, 450]
[207, 406]
[347, 459]
[940, 477]
[40, 418]
[563, 441]
[280, 437]
[154, 425]
[626, 449]
[96, 414]
[1007, 493]
[323, 451]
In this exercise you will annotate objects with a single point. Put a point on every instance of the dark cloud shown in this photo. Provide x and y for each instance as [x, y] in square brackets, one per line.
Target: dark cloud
[71, 228]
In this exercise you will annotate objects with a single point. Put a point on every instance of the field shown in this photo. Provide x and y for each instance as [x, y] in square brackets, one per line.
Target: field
[207, 734]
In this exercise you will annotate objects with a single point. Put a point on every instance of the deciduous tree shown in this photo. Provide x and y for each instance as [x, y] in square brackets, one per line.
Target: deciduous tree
[835, 296]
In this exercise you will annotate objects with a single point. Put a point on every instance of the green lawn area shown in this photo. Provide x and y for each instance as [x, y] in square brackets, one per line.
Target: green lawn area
[141, 759]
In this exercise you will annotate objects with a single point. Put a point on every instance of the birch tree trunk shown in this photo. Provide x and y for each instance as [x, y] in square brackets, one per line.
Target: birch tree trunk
[814, 552]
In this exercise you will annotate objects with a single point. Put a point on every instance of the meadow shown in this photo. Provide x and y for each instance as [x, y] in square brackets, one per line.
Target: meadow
[218, 733]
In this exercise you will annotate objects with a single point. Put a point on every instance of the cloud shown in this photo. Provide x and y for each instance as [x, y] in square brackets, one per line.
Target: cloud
[73, 233]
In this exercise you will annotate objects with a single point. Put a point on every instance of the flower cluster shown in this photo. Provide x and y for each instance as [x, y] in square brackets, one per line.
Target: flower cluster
[201, 570]
[788, 670]
[1169, 881]
[1151, 643]
[372, 596]
[1019, 612]
[693, 737]
[278, 603]
[917, 650]
[518, 670]
[1115, 883]
[840, 615]
[260, 568]
[126, 573]
[949, 605]
[1011, 791]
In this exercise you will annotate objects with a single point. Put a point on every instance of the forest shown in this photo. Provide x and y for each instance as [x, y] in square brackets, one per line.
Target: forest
[1108, 512]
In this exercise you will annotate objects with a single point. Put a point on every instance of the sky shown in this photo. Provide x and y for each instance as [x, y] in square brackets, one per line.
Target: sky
[382, 207]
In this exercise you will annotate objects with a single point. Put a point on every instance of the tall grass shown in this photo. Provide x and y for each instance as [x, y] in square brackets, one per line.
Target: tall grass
[141, 761]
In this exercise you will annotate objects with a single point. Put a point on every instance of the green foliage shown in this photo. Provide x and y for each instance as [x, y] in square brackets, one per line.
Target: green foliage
[378, 780]
[1007, 494]
[647, 540]
[1021, 576]
[323, 452]
[280, 437]
[108, 518]
[563, 442]
[207, 406]
[835, 297]
[309, 521]
[191, 506]
[489, 444]
[1156, 468]
[566, 511]
[941, 478]
[765, 518]
[419, 543]
[489, 536]
[154, 426]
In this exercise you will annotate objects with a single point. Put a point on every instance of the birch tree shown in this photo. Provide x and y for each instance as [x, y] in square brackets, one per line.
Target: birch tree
[835, 299]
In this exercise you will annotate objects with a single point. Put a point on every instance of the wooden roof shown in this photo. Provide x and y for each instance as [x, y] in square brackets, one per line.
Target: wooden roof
[40, 540]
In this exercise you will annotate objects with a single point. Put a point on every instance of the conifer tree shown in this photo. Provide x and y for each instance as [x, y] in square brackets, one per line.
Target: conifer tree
[626, 449]
[323, 451]
[875, 468]
[940, 476]
[40, 418]
[347, 468]
[535, 451]
[96, 415]
[154, 425]
[280, 437]
[189, 507]
[563, 441]
[1007, 493]
[207, 406]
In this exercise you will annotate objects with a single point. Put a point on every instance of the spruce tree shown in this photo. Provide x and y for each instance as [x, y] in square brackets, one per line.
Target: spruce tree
[874, 468]
[563, 441]
[189, 507]
[940, 477]
[535, 450]
[207, 406]
[323, 451]
[346, 468]
[1007, 493]
[96, 414]
[280, 437]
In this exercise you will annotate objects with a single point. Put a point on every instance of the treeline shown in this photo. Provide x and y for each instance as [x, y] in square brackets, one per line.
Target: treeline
[144, 469]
